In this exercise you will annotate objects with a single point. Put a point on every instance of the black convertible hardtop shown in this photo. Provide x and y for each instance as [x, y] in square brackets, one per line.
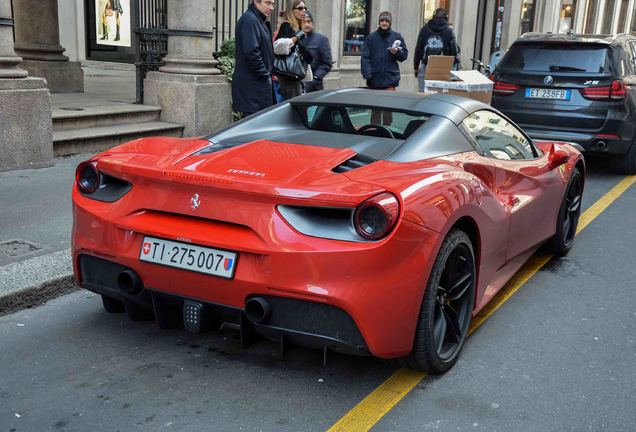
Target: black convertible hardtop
[454, 108]
[438, 136]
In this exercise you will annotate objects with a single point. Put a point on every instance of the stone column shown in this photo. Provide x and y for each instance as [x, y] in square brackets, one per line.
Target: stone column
[25, 110]
[37, 40]
[189, 88]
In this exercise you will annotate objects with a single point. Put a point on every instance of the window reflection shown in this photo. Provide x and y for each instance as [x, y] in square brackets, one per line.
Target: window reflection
[356, 25]
[498, 138]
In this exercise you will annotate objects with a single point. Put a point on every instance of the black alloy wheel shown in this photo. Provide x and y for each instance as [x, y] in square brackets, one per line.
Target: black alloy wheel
[447, 307]
[454, 302]
[569, 214]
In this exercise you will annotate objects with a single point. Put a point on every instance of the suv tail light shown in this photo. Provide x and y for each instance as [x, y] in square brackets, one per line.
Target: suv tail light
[614, 92]
[376, 217]
[504, 88]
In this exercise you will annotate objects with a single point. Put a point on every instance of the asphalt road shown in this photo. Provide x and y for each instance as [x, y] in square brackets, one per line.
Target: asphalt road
[558, 356]
[36, 204]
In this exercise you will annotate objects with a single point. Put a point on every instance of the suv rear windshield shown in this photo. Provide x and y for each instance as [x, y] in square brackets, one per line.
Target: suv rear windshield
[554, 58]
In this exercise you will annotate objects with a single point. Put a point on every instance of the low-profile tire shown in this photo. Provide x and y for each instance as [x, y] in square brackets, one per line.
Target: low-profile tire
[626, 164]
[568, 218]
[446, 309]
[112, 306]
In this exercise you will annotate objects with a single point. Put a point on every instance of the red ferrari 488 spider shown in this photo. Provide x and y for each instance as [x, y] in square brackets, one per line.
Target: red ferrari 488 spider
[356, 221]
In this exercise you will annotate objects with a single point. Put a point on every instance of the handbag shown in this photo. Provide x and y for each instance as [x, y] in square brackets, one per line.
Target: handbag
[290, 66]
[309, 74]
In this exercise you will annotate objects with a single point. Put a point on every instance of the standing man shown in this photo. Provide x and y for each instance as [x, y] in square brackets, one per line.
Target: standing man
[382, 51]
[435, 38]
[318, 46]
[252, 88]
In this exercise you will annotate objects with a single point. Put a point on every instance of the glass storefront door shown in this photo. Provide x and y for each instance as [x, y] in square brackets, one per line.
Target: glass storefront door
[109, 35]
[357, 25]
[527, 16]
[566, 16]
[429, 6]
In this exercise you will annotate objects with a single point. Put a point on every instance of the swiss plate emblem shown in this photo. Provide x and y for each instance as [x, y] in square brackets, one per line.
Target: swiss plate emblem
[147, 247]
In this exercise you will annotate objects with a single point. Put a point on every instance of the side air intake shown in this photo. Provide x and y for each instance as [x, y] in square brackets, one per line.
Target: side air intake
[358, 161]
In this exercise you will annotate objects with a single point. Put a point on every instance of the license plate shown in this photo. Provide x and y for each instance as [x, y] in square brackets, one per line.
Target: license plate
[542, 93]
[190, 257]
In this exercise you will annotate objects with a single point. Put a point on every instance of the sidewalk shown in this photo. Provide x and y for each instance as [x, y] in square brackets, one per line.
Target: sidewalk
[35, 206]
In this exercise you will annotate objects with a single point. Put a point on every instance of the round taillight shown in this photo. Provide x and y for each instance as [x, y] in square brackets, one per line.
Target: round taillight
[376, 217]
[87, 177]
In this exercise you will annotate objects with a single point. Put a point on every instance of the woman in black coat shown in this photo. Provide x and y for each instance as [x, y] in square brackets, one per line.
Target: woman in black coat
[252, 89]
[290, 28]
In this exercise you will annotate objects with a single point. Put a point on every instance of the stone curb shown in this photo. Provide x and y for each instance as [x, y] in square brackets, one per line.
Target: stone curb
[34, 281]
[37, 295]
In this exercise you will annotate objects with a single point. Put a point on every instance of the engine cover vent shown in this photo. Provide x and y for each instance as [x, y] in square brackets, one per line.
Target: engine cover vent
[358, 161]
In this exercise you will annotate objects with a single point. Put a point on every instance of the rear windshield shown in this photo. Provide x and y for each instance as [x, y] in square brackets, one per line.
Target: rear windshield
[543, 57]
[355, 120]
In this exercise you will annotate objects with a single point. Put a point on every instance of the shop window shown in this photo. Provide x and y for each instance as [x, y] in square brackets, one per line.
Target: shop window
[608, 17]
[500, 7]
[566, 16]
[357, 14]
[429, 6]
[622, 16]
[527, 16]
[591, 14]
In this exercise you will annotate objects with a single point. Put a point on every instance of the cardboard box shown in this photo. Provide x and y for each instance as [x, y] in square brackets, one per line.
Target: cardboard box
[467, 83]
[438, 68]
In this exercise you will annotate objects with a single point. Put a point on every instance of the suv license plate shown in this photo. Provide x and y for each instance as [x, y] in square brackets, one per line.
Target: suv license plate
[190, 257]
[543, 93]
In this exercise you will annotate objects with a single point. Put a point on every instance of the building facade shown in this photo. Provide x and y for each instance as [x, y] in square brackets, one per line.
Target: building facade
[482, 26]
[53, 38]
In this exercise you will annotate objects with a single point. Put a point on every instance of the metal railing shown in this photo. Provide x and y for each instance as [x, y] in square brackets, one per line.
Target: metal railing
[227, 14]
[152, 39]
[151, 29]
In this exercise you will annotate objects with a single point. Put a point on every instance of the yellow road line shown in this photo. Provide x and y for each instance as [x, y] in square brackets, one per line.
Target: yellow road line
[599, 206]
[381, 400]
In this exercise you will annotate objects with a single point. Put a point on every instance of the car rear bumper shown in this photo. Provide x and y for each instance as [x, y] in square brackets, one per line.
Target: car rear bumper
[374, 294]
[291, 321]
[598, 143]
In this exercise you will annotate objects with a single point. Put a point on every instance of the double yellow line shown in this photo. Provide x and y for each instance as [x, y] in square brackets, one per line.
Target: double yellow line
[381, 400]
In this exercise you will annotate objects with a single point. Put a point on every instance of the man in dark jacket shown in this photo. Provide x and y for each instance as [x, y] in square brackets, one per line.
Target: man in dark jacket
[435, 38]
[252, 88]
[382, 51]
[318, 46]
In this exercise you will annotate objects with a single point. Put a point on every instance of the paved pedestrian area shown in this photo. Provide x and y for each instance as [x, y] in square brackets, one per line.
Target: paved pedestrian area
[559, 355]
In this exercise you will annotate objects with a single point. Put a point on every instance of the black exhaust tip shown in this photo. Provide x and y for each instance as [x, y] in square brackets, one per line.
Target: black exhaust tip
[129, 283]
[258, 310]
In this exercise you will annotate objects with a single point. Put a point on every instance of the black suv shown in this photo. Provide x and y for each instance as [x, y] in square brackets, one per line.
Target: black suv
[576, 88]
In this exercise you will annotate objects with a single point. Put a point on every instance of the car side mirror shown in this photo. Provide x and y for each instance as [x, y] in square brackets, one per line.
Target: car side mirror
[557, 157]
